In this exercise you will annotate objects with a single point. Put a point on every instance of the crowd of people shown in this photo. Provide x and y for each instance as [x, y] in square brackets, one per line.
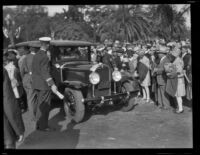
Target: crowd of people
[162, 69]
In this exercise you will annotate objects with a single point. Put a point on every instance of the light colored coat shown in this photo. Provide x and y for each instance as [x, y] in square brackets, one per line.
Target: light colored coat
[147, 80]
[178, 62]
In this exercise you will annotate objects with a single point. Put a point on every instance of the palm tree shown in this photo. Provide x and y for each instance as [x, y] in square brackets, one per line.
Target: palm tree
[126, 22]
[167, 22]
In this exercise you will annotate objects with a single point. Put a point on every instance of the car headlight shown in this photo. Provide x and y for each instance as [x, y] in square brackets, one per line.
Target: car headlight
[116, 75]
[94, 78]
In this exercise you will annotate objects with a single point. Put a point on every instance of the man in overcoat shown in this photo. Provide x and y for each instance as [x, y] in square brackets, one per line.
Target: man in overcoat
[42, 83]
[161, 78]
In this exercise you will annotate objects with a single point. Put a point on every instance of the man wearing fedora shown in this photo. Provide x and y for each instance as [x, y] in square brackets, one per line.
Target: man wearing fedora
[42, 83]
[161, 78]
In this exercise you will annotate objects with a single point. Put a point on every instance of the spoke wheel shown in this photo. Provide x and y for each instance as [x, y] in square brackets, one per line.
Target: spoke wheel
[74, 108]
[127, 103]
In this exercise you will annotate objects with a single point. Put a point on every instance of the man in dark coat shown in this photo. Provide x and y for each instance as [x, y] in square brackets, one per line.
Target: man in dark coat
[161, 78]
[116, 58]
[12, 118]
[26, 74]
[107, 58]
[42, 83]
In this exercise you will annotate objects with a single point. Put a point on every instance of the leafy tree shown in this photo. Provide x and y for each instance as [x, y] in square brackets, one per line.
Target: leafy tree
[71, 25]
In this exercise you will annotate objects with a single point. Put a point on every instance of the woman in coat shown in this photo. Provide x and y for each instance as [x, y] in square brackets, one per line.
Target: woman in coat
[16, 81]
[12, 118]
[144, 74]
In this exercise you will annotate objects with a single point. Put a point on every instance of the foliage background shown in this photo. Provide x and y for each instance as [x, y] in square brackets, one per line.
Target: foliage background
[96, 23]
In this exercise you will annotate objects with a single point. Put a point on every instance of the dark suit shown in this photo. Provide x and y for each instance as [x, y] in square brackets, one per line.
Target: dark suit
[12, 118]
[187, 66]
[107, 59]
[26, 74]
[41, 84]
[161, 78]
[186, 60]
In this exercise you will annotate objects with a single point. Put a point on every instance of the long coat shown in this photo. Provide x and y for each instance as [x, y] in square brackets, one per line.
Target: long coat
[161, 76]
[187, 66]
[146, 81]
[13, 123]
[178, 62]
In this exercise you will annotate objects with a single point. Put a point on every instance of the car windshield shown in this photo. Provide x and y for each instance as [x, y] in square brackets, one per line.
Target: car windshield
[77, 53]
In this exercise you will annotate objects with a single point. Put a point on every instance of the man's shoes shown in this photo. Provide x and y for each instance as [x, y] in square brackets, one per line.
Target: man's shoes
[10, 146]
[20, 139]
[48, 129]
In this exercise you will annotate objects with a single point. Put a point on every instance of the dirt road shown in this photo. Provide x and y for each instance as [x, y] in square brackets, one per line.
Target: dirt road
[143, 127]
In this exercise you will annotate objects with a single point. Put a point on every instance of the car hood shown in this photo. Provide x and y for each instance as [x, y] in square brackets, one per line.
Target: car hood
[82, 65]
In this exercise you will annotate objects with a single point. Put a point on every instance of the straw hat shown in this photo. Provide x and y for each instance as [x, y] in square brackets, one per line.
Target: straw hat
[100, 47]
[176, 52]
[136, 49]
[162, 49]
[141, 52]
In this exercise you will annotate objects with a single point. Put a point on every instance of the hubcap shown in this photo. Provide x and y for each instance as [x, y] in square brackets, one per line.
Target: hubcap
[70, 101]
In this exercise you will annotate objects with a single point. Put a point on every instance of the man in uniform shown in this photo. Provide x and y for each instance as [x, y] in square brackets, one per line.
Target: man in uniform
[42, 83]
[26, 74]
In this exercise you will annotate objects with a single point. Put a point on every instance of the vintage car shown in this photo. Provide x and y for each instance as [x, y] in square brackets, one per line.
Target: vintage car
[84, 84]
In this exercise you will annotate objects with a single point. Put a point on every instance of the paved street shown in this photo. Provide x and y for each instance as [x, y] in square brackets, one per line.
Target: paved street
[143, 127]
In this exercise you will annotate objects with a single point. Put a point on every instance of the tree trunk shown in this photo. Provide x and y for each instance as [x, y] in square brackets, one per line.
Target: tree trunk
[11, 38]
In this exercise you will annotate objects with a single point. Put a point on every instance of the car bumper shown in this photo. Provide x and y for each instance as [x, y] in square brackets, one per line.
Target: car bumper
[114, 96]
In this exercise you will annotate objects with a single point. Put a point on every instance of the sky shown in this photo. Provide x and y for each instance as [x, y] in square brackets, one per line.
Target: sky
[52, 9]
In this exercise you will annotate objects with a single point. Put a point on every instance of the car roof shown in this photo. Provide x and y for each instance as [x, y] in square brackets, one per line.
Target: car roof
[58, 43]
[70, 43]
[28, 43]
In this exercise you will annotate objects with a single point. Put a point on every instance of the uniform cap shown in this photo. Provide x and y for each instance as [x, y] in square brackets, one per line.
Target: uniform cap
[162, 49]
[46, 39]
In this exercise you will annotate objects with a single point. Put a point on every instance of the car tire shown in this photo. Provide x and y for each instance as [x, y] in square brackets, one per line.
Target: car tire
[79, 107]
[128, 104]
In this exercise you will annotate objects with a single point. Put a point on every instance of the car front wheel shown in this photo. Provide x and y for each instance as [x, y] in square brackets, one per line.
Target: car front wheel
[128, 103]
[73, 105]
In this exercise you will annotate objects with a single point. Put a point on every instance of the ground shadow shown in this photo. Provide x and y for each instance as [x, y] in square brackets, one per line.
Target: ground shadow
[58, 139]
[103, 110]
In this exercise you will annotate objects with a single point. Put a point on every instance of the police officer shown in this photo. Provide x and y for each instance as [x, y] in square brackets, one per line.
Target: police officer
[26, 74]
[42, 83]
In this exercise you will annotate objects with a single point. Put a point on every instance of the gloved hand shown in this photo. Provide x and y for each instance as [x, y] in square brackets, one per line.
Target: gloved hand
[54, 88]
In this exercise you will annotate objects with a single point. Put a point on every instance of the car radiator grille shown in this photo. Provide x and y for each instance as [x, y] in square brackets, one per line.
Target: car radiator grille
[104, 86]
